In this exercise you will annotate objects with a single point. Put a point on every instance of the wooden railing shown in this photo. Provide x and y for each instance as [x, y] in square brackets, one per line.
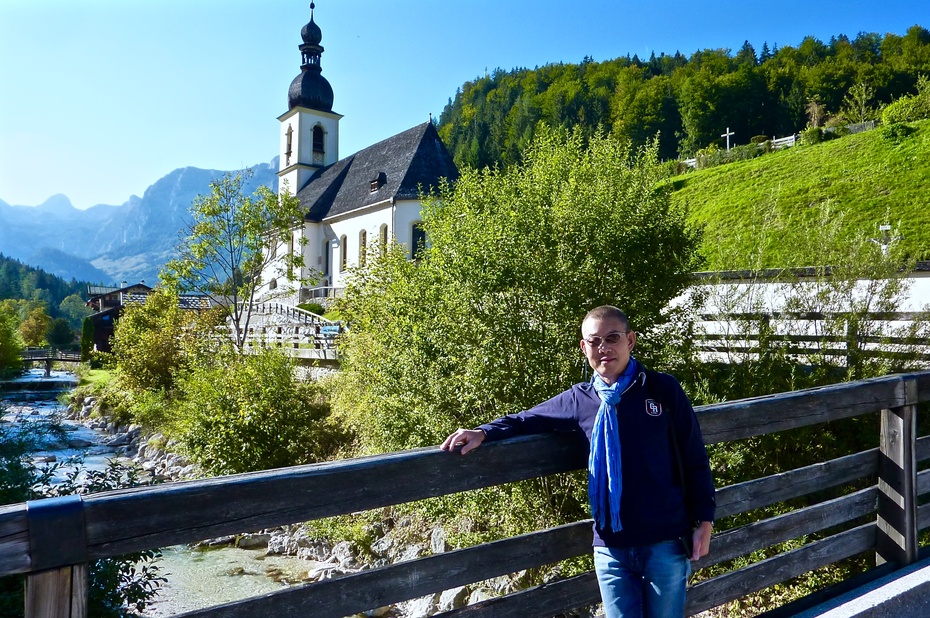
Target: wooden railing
[52, 540]
[300, 334]
[49, 354]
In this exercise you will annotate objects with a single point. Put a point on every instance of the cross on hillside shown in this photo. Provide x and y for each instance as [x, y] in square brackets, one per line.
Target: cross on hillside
[727, 135]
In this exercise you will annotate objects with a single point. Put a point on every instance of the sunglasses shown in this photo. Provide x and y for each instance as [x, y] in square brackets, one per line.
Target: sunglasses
[609, 339]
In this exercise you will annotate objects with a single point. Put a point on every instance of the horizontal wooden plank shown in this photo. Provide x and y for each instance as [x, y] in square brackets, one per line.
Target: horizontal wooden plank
[539, 602]
[765, 573]
[767, 532]
[359, 592]
[14, 539]
[129, 520]
[776, 488]
[761, 415]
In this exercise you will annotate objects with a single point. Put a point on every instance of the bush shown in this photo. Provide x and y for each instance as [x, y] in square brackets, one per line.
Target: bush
[897, 131]
[811, 136]
[316, 308]
[910, 108]
[250, 413]
[758, 139]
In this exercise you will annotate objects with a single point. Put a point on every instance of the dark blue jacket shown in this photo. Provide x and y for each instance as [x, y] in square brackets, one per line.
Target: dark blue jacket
[652, 505]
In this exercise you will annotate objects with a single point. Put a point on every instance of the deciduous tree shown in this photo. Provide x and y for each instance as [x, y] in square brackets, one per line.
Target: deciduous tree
[34, 327]
[231, 242]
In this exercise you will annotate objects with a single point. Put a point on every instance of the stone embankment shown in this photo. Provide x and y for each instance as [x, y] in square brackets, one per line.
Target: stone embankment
[325, 560]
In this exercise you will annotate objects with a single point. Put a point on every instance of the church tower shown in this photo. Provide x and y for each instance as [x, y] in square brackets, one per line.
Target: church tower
[309, 128]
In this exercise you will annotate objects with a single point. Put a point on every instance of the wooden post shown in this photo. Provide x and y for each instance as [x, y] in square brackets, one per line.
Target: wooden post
[853, 351]
[58, 593]
[897, 481]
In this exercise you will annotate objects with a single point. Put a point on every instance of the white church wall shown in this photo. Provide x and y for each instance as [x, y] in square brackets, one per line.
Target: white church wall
[407, 213]
[349, 227]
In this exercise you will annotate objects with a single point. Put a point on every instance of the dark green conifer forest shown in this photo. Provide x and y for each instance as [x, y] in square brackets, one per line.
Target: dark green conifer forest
[689, 101]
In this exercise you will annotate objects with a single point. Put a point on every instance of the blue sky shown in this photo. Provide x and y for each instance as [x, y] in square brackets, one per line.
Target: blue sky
[101, 98]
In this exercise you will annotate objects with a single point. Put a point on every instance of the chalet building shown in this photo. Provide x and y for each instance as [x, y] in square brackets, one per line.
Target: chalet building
[108, 302]
[371, 197]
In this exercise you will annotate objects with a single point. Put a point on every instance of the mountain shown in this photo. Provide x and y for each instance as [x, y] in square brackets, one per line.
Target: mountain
[111, 244]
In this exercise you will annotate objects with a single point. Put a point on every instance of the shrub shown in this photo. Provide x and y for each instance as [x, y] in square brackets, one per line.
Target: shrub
[910, 108]
[316, 308]
[250, 413]
[758, 139]
[897, 131]
[811, 136]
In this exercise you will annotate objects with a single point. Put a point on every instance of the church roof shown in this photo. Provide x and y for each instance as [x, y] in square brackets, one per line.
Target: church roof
[397, 167]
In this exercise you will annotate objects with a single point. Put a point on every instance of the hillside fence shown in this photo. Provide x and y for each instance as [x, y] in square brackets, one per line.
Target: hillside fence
[846, 339]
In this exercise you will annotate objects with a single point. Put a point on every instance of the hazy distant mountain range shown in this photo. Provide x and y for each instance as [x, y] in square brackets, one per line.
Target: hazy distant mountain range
[111, 244]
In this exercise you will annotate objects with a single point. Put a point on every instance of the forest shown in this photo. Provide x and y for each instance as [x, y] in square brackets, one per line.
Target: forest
[688, 101]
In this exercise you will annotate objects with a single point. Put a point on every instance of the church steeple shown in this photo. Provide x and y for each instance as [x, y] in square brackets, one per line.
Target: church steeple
[309, 128]
[310, 89]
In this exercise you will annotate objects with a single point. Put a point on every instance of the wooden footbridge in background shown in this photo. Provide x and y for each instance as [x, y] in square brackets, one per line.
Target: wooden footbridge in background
[52, 541]
[49, 356]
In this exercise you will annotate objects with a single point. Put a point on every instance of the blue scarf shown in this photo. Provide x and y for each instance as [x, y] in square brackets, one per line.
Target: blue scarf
[604, 484]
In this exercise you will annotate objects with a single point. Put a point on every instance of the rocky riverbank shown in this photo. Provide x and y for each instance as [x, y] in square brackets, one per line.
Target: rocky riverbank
[394, 541]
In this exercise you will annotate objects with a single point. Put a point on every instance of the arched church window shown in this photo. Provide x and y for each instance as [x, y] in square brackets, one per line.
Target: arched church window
[343, 252]
[417, 240]
[317, 138]
[287, 150]
[325, 257]
[383, 238]
[362, 247]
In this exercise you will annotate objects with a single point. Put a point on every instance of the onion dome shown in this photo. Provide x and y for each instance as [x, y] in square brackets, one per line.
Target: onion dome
[310, 89]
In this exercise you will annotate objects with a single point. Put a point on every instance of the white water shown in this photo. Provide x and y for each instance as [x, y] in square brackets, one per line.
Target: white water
[196, 578]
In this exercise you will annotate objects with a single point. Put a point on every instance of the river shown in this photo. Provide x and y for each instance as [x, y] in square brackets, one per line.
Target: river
[196, 578]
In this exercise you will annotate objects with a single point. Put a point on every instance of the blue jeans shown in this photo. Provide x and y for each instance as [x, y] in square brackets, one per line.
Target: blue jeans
[643, 582]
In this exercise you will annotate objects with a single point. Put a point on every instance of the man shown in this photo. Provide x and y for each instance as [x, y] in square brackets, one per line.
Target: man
[644, 437]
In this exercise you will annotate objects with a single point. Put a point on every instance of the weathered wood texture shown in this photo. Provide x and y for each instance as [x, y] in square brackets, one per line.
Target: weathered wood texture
[539, 602]
[376, 588]
[767, 532]
[753, 417]
[58, 593]
[768, 490]
[897, 484]
[14, 539]
[130, 520]
[779, 568]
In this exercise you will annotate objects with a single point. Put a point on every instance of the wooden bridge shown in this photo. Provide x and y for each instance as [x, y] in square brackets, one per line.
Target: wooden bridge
[51, 541]
[49, 356]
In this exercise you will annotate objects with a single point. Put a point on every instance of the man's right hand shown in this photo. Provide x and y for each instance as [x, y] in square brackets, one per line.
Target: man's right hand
[468, 439]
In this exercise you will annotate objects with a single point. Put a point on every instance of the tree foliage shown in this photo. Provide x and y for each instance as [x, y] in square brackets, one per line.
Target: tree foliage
[231, 242]
[19, 281]
[689, 101]
[248, 412]
[9, 341]
[486, 322]
[34, 327]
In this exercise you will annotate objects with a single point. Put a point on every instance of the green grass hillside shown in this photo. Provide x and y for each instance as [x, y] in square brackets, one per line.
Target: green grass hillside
[771, 206]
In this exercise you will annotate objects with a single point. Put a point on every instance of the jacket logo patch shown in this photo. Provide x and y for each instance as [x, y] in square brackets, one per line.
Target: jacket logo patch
[653, 408]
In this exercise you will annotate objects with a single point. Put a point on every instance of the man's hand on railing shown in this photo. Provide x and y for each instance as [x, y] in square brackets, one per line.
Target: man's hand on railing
[468, 439]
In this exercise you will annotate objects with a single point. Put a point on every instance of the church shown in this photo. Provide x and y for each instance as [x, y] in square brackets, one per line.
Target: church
[352, 203]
